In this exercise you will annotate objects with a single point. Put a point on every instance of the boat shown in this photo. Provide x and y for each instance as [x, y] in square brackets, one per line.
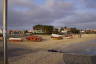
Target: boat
[56, 37]
[69, 36]
[15, 39]
[34, 38]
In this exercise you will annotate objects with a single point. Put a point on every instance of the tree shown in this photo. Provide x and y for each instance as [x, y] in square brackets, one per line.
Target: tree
[26, 31]
[62, 28]
[55, 31]
[37, 27]
[74, 30]
[45, 28]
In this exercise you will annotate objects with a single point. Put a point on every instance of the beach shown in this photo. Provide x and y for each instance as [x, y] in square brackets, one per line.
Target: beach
[49, 43]
[28, 52]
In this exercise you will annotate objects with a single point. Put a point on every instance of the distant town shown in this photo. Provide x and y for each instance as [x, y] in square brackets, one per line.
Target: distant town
[48, 29]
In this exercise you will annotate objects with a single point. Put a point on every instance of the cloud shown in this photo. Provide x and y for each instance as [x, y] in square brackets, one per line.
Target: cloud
[89, 3]
[86, 18]
[24, 14]
[35, 14]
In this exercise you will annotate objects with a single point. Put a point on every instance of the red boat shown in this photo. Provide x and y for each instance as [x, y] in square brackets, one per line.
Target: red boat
[34, 38]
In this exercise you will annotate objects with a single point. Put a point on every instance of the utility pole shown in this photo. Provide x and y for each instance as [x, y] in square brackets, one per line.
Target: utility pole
[5, 31]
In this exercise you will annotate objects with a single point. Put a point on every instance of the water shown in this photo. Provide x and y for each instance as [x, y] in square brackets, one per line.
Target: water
[90, 48]
[86, 48]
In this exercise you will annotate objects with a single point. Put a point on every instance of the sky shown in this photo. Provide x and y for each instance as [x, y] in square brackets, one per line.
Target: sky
[23, 14]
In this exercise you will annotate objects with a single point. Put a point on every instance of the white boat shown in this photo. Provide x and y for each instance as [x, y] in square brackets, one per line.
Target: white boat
[56, 35]
[15, 39]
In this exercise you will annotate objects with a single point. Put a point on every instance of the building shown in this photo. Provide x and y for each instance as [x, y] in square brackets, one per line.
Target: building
[65, 30]
[43, 29]
[38, 31]
[90, 31]
[16, 33]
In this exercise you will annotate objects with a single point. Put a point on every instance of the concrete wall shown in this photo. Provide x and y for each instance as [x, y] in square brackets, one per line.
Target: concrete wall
[79, 59]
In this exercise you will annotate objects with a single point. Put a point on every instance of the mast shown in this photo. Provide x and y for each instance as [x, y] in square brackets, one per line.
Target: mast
[5, 31]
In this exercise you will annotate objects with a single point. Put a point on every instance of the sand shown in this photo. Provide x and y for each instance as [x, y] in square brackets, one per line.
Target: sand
[29, 52]
[49, 43]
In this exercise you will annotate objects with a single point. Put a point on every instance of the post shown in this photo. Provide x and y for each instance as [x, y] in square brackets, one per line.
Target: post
[5, 31]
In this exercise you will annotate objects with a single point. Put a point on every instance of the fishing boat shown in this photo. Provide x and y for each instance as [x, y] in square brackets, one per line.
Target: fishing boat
[56, 37]
[13, 39]
[69, 36]
[34, 38]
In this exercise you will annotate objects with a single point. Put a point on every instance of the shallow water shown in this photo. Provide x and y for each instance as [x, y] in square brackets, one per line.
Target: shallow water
[88, 48]
[91, 48]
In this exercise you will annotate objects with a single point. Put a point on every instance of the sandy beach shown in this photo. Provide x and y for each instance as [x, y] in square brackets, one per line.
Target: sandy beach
[28, 52]
[49, 43]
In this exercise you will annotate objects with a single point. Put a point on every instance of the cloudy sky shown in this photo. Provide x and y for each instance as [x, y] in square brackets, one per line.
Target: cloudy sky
[23, 14]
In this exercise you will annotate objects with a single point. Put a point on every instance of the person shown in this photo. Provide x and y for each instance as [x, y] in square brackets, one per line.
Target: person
[79, 35]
